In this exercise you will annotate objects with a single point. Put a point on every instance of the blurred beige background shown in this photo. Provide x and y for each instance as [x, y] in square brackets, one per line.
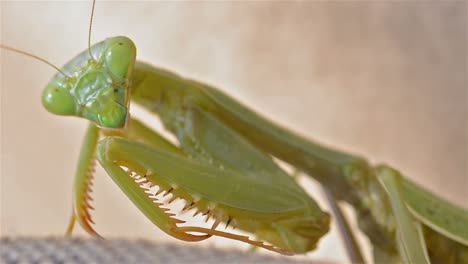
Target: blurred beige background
[387, 80]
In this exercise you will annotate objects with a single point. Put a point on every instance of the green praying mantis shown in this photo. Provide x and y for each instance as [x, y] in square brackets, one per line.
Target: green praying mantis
[222, 165]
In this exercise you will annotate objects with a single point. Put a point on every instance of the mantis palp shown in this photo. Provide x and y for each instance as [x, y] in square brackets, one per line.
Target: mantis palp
[283, 157]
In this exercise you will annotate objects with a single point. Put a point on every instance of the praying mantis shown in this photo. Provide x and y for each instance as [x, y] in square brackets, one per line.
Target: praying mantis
[362, 167]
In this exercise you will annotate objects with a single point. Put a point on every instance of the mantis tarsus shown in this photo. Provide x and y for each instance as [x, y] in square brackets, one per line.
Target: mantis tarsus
[332, 170]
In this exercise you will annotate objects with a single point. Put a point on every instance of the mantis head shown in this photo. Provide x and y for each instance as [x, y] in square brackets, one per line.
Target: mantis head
[95, 84]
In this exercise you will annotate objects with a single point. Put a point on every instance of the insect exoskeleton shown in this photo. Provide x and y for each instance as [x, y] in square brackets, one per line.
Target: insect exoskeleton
[286, 222]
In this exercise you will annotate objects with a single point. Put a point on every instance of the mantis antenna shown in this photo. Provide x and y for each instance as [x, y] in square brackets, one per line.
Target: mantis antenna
[47, 62]
[90, 28]
[32, 56]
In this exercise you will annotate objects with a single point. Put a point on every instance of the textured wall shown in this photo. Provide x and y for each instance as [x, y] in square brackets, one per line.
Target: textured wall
[387, 80]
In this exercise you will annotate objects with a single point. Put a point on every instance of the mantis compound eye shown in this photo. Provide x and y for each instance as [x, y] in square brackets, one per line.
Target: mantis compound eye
[120, 56]
[58, 100]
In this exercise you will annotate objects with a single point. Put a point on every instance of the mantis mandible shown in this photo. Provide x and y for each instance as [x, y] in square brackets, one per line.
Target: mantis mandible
[333, 160]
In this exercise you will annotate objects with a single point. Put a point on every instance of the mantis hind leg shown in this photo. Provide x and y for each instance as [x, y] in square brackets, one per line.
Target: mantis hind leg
[410, 240]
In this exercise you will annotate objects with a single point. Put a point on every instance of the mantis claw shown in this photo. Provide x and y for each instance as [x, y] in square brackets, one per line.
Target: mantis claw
[244, 239]
[71, 225]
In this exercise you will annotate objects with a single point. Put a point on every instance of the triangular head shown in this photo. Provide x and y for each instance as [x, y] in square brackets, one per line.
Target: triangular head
[97, 87]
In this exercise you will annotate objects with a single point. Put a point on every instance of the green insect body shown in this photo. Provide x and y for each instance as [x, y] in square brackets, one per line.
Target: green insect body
[218, 178]
[222, 166]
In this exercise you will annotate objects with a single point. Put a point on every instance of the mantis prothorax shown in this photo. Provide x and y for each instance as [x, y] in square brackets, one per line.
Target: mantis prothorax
[222, 165]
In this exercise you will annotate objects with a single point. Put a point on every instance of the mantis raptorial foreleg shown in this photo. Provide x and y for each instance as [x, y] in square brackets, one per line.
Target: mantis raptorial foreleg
[154, 211]
[159, 167]
[85, 169]
[83, 181]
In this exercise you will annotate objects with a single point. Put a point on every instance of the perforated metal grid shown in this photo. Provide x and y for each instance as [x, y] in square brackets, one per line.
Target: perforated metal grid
[89, 251]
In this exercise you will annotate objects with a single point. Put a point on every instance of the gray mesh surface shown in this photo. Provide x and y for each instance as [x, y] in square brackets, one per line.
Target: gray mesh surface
[75, 250]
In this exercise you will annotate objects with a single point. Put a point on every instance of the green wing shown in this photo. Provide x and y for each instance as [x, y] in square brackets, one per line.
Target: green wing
[436, 213]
